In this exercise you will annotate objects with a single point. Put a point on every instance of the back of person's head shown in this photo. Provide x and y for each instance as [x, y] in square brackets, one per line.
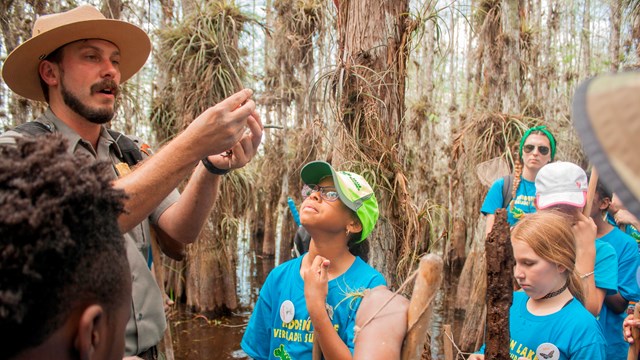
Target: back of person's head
[602, 190]
[550, 236]
[60, 245]
[601, 200]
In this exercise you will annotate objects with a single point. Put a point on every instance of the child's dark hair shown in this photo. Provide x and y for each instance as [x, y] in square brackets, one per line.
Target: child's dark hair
[357, 247]
[601, 189]
[60, 244]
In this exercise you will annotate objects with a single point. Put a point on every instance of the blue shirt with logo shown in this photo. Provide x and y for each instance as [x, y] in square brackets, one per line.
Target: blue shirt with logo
[605, 270]
[628, 229]
[571, 333]
[628, 261]
[523, 203]
[268, 336]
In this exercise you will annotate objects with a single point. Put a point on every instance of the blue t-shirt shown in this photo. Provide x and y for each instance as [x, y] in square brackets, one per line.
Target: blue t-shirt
[628, 229]
[605, 271]
[523, 203]
[571, 333]
[280, 324]
[628, 261]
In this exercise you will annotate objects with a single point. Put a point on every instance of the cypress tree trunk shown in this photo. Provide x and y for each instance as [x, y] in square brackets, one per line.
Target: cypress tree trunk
[614, 46]
[372, 56]
[511, 37]
[585, 37]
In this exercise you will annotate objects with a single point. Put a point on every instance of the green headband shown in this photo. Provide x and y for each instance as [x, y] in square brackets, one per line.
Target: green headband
[542, 129]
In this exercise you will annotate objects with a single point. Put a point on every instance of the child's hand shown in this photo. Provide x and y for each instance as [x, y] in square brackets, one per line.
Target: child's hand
[316, 280]
[627, 325]
[584, 230]
[624, 217]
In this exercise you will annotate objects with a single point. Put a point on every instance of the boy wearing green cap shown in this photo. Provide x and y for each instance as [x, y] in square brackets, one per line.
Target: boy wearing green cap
[318, 294]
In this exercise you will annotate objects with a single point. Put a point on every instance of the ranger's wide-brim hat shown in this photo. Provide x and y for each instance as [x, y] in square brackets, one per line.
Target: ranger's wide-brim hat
[20, 70]
[606, 113]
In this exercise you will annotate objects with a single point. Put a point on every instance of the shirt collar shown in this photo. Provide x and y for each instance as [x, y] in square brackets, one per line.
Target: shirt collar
[56, 124]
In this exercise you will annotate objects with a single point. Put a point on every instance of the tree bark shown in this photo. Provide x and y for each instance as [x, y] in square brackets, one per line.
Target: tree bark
[16, 25]
[372, 56]
[270, 219]
[614, 46]
[585, 37]
[499, 261]
[470, 84]
[550, 68]
[511, 38]
[453, 78]
[167, 11]
[112, 9]
[492, 57]
[210, 278]
[210, 285]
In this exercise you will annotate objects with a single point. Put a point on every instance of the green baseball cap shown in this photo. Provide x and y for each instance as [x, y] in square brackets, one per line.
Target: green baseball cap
[353, 189]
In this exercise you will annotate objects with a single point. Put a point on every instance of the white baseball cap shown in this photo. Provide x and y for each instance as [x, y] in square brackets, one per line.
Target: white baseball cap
[561, 183]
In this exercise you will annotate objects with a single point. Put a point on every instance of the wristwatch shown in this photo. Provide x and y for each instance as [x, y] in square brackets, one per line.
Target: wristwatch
[212, 168]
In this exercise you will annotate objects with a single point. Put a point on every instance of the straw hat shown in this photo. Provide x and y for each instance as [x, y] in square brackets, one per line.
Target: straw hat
[20, 70]
[606, 113]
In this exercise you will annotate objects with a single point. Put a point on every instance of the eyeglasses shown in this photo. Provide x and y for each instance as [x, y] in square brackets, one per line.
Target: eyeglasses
[327, 193]
[543, 150]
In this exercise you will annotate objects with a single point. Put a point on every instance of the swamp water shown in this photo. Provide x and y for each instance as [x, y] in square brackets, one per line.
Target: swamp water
[196, 337]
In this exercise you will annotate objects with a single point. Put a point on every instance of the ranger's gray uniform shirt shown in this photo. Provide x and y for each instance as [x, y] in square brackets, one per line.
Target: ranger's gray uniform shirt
[147, 322]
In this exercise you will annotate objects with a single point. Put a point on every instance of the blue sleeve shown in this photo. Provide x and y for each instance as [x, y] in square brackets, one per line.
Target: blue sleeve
[257, 336]
[594, 351]
[589, 341]
[627, 268]
[375, 279]
[350, 336]
[633, 232]
[493, 200]
[606, 268]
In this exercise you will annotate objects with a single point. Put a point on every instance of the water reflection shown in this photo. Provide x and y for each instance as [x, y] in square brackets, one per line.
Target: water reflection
[196, 337]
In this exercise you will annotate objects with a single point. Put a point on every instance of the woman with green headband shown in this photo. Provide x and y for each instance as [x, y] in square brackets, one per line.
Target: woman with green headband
[537, 148]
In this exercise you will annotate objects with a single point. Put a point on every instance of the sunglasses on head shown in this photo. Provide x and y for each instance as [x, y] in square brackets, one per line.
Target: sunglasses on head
[327, 193]
[543, 150]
